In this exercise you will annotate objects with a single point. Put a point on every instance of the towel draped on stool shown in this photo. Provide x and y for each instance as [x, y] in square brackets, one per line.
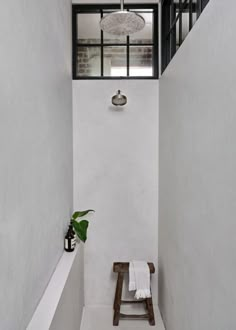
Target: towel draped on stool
[139, 279]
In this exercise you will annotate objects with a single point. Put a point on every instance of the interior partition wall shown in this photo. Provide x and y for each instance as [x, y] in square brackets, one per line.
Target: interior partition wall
[197, 246]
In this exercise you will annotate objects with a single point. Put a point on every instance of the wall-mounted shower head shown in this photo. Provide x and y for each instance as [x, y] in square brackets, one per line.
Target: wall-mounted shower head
[119, 99]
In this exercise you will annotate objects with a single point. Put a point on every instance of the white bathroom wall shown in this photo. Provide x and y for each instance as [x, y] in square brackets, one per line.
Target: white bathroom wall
[116, 173]
[197, 246]
[36, 150]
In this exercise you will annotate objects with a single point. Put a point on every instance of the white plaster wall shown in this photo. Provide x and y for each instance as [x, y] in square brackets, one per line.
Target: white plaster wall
[36, 150]
[115, 173]
[197, 246]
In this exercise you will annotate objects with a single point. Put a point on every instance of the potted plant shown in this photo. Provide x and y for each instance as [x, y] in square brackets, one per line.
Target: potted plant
[80, 227]
[76, 228]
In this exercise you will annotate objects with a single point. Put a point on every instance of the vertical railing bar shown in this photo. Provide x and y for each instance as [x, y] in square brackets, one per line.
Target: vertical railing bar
[177, 18]
[102, 49]
[180, 22]
[190, 14]
[128, 64]
[165, 37]
[173, 32]
[127, 51]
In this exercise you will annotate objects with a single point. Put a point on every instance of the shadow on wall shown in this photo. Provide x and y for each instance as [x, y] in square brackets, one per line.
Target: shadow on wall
[114, 108]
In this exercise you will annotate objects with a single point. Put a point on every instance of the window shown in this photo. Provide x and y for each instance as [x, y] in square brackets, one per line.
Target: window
[98, 55]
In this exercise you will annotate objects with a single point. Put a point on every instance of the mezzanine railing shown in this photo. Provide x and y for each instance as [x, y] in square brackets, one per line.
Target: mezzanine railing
[178, 18]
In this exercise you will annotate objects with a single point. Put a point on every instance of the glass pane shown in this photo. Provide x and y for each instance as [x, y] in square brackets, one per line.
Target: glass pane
[145, 35]
[111, 38]
[141, 61]
[88, 28]
[177, 33]
[115, 61]
[146, 10]
[88, 61]
[185, 25]
[194, 18]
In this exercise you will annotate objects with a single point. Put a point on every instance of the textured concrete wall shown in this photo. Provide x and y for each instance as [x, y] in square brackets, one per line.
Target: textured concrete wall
[36, 150]
[116, 173]
[197, 246]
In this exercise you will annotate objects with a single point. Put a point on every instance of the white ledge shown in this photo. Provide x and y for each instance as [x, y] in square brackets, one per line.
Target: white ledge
[47, 306]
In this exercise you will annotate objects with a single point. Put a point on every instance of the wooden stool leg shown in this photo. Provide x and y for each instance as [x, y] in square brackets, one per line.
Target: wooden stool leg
[117, 301]
[151, 317]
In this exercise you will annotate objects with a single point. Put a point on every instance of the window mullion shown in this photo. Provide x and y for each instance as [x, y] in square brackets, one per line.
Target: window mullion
[74, 45]
[127, 56]
[102, 50]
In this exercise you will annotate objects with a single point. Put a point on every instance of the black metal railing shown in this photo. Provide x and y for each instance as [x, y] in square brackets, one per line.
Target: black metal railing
[178, 18]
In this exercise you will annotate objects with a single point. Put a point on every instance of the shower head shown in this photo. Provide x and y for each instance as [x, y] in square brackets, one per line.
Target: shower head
[122, 22]
[119, 99]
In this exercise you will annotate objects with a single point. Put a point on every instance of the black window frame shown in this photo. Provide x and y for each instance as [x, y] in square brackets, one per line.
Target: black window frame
[98, 8]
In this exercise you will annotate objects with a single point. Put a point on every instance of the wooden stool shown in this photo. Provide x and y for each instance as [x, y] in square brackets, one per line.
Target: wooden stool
[121, 268]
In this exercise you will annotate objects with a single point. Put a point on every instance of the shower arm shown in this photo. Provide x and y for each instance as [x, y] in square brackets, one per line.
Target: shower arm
[122, 5]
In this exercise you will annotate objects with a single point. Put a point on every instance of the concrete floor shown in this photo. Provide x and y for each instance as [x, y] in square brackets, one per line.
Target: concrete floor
[100, 318]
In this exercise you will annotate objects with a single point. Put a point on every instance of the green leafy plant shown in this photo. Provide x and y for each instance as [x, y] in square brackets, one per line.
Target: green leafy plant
[80, 227]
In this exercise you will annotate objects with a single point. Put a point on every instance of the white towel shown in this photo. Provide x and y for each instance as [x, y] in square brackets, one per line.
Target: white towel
[139, 279]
